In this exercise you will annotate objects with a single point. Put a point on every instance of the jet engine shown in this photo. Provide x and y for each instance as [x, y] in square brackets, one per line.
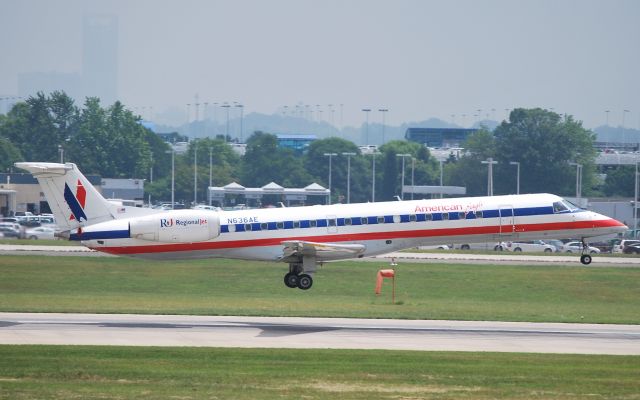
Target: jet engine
[179, 226]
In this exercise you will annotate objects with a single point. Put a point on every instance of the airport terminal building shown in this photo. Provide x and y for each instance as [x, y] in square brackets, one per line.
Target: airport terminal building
[439, 137]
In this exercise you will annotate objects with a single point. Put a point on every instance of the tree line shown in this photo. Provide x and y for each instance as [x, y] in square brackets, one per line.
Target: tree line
[110, 141]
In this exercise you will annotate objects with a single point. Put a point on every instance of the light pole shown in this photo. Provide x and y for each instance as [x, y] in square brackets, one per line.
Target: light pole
[226, 105]
[195, 172]
[404, 155]
[330, 155]
[373, 177]
[61, 152]
[490, 163]
[606, 112]
[241, 107]
[635, 205]
[367, 111]
[578, 180]
[332, 112]
[517, 164]
[210, 172]
[348, 175]
[413, 169]
[441, 177]
[383, 111]
[173, 176]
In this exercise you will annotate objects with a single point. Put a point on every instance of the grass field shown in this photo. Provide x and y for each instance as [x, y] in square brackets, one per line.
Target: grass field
[345, 289]
[76, 372]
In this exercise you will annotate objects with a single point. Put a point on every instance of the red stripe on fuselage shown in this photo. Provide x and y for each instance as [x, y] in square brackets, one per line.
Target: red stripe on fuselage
[362, 236]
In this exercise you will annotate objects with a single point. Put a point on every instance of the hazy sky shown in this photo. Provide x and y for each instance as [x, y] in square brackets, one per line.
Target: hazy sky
[420, 59]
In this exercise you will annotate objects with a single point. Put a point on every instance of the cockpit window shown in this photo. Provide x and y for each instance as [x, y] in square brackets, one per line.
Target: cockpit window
[559, 207]
[564, 206]
[570, 205]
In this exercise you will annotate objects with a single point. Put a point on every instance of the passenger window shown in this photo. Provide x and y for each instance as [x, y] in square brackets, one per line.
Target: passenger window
[247, 227]
[412, 218]
[461, 215]
[445, 216]
[332, 222]
[296, 224]
[364, 220]
[478, 214]
[264, 226]
[396, 219]
[381, 220]
[347, 221]
[232, 228]
[313, 223]
[280, 225]
[428, 217]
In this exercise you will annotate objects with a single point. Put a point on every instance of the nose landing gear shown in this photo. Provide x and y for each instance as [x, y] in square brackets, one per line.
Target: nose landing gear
[585, 258]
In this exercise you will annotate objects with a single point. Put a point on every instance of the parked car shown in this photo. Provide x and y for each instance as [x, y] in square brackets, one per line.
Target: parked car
[206, 207]
[619, 246]
[435, 247]
[576, 247]
[479, 246]
[9, 232]
[529, 246]
[557, 243]
[632, 249]
[41, 232]
[12, 225]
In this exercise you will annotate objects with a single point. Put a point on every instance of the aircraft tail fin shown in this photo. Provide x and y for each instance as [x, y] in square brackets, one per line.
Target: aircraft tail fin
[72, 198]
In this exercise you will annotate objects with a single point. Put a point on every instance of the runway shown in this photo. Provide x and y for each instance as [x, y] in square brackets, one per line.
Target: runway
[322, 333]
[506, 257]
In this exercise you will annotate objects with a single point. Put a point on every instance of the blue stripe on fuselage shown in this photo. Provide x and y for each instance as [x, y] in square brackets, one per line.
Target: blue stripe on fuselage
[122, 234]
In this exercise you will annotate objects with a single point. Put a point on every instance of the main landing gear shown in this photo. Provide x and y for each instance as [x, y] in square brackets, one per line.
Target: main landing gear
[300, 273]
[300, 281]
[585, 258]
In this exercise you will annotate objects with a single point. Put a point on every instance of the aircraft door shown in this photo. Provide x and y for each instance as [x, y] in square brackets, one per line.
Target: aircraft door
[507, 221]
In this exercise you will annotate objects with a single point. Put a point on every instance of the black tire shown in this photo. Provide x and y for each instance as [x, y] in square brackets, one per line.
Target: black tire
[585, 259]
[305, 282]
[33, 237]
[518, 249]
[291, 280]
[498, 248]
[465, 247]
[547, 250]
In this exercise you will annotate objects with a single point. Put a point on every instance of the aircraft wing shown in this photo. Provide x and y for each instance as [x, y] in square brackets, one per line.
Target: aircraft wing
[294, 250]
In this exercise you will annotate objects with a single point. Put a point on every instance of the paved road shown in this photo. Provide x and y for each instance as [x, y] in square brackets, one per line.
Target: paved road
[507, 258]
[444, 257]
[335, 333]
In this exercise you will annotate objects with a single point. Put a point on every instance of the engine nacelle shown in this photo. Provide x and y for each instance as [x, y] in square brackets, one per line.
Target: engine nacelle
[179, 226]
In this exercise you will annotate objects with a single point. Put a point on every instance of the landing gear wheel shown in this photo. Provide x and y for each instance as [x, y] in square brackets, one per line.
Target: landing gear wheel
[585, 259]
[305, 281]
[291, 280]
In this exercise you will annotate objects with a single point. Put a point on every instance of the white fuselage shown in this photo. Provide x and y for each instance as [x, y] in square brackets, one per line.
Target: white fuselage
[258, 234]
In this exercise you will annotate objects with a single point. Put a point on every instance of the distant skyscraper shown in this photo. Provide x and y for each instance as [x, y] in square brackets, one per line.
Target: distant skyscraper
[100, 58]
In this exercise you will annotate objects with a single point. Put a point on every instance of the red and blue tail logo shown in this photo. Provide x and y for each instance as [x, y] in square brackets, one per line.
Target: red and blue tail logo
[76, 202]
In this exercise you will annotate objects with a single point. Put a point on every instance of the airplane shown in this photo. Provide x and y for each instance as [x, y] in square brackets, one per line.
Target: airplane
[305, 237]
